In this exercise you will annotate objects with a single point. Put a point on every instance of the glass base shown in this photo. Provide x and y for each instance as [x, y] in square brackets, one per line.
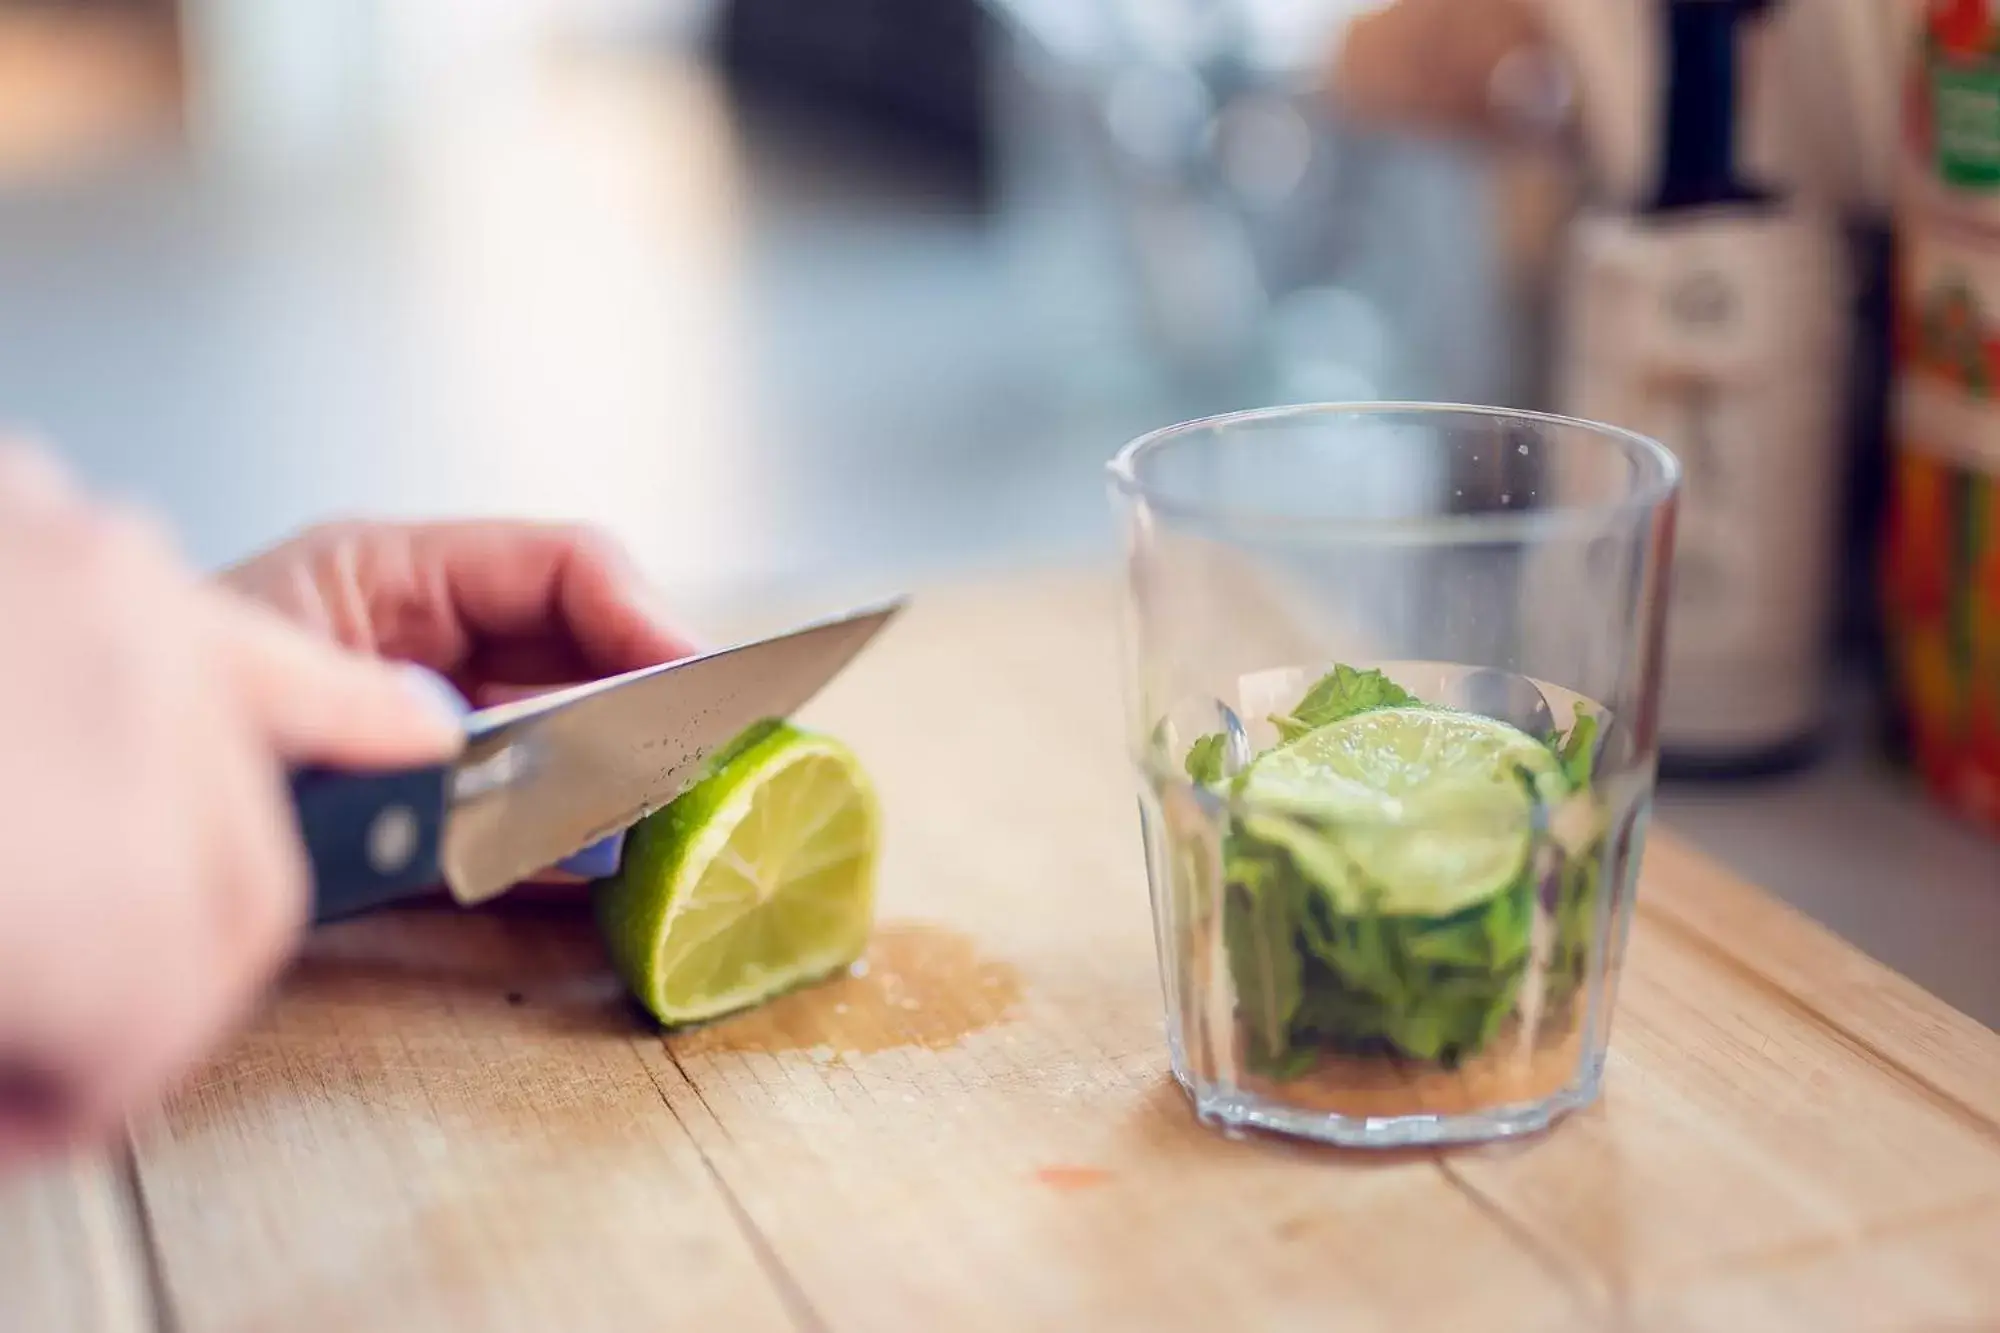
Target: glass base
[1238, 1111]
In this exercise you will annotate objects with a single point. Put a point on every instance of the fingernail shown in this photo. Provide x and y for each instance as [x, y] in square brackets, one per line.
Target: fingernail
[438, 694]
[597, 860]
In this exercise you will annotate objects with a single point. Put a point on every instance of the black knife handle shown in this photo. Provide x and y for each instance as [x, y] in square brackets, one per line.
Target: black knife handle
[372, 838]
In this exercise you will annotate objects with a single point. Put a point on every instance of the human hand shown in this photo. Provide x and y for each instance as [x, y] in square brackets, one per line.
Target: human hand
[154, 876]
[501, 609]
[1461, 67]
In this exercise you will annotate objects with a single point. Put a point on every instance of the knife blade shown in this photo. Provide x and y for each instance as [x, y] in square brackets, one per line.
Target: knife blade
[544, 777]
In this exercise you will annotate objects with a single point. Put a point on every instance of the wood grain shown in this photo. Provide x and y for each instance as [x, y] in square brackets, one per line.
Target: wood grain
[1825, 977]
[70, 1255]
[980, 1131]
[1731, 1133]
[443, 1122]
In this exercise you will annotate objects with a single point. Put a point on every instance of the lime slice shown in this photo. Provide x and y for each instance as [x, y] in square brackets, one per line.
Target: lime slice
[759, 878]
[1404, 811]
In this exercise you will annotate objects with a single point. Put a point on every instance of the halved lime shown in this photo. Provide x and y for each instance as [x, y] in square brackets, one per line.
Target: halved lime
[758, 879]
[1411, 811]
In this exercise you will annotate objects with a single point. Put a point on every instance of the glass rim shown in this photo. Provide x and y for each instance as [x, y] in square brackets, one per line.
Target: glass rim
[1428, 529]
[1389, 815]
[1610, 786]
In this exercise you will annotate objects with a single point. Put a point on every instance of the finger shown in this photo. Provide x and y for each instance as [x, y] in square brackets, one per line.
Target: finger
[318, 703]
[483, 601]
[490, 695]
[256, 866]
[32, 481]
[443, 693]
[255, 891]
[501, 672]
[237, 905]
[571, 587]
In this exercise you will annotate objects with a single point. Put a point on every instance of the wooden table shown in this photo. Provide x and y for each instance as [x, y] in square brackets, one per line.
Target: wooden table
[454, 1121]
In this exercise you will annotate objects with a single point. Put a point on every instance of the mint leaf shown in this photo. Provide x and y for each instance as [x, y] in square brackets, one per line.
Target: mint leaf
[1204, 759]
[1576, 890]
[1342, 692]
[1509, 924]
[1299, 1061]
[1259, 932]
[1314, 855]
[1427, 1030]
[1579, 751]
[1576, 926]
[1458, 943]
[1319, 966]
[1249, 865]
[1423, 988]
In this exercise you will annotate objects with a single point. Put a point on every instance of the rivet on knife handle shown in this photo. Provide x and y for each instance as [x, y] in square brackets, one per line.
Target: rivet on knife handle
[372, 838]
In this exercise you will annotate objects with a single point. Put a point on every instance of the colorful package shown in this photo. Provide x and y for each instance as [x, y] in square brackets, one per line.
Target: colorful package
[1941, 588]
[1952, 108]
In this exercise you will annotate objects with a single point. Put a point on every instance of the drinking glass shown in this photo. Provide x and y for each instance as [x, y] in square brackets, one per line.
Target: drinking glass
[1393, 673]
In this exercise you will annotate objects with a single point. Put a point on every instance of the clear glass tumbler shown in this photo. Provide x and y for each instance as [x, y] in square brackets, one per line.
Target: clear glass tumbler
[1393, 681]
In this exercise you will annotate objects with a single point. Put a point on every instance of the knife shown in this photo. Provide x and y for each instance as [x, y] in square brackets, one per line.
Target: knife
[544, 777]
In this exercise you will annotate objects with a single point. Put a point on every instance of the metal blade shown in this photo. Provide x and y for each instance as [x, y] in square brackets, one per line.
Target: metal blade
[546, 777]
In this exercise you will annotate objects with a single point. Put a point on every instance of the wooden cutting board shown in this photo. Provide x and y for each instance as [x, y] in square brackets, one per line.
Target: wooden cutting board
[455, 1121]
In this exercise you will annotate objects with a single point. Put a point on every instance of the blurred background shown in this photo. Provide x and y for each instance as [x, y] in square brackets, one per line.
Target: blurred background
[787, 294]
[807, 301]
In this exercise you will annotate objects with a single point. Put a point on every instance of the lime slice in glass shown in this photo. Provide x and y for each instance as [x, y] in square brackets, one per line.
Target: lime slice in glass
[1404, 811]
[758, 879]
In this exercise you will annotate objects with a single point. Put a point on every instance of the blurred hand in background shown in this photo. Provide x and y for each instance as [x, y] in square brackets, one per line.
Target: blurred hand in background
[1470, 68]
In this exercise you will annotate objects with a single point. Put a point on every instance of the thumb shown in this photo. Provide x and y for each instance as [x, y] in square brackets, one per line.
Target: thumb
[317, 702]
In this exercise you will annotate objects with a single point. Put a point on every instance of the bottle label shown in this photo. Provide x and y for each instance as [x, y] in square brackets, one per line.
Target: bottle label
[1965, 106]
[1947, 310]
[1721, 336]
[1956, 107]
